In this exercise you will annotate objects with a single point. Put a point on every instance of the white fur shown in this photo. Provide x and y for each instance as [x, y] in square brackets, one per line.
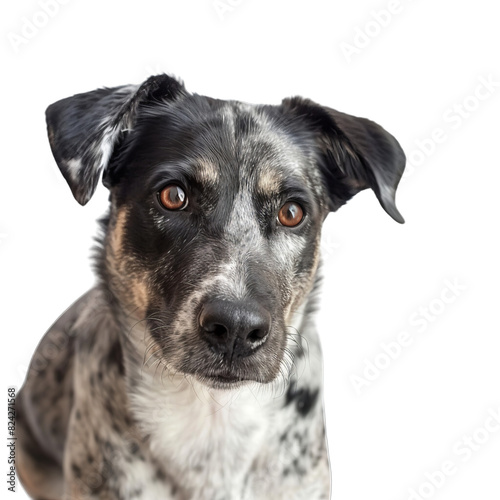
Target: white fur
[73, 167]
[208, 437]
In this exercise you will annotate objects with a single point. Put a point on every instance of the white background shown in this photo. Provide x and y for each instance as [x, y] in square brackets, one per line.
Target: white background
[427, 59]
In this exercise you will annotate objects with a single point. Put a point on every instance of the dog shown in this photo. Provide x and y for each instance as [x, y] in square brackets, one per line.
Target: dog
[193, 369]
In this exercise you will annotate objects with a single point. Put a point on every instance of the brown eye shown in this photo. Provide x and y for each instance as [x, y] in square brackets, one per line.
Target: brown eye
[290, 214]
[173, 197]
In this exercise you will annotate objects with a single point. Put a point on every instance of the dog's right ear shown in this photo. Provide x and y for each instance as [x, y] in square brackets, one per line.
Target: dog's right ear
[84, 129]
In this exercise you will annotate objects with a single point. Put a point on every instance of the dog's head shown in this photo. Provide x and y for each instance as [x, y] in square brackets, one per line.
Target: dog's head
[216, 211]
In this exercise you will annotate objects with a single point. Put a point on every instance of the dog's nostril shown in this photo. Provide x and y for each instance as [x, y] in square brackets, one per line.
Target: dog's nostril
[214, 329]
[218, 330]
[256, 335]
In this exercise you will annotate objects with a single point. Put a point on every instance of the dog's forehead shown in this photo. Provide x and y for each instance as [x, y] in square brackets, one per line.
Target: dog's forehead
[222, 140]
[266, 154]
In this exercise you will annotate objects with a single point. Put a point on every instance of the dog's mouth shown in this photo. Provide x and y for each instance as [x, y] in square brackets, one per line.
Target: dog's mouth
[224, 380]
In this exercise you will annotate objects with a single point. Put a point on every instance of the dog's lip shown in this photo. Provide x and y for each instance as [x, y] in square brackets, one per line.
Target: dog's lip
[226, 378]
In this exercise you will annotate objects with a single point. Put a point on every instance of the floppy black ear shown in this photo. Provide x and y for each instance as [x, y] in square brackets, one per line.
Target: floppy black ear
[84, 129]
[355, 154]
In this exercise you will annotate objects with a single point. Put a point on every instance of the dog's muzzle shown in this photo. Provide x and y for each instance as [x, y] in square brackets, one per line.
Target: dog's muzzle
[234, 329]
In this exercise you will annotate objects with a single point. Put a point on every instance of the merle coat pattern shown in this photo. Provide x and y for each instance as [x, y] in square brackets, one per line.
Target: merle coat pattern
[140, 390]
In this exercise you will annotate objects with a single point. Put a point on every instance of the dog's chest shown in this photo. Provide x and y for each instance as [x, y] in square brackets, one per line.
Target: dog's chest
[205, 440]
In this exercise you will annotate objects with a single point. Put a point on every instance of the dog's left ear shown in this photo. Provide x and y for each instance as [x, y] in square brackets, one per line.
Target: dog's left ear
[355, 154]
[84, 129]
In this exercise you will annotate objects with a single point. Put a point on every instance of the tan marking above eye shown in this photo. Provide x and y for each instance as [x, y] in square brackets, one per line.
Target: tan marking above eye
[269, 182]
[290, 214]
[173, 197]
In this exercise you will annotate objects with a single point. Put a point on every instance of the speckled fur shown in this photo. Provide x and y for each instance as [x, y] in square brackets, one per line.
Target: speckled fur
[124, 399]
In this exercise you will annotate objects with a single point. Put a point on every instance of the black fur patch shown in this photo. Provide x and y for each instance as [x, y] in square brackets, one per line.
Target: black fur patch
[304, 398]
[115, 357]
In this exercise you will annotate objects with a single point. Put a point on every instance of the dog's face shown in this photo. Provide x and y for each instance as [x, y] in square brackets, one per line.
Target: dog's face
[198, 193]
[216, 212]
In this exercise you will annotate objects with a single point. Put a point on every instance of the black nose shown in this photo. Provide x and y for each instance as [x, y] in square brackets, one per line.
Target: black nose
[234, 328]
